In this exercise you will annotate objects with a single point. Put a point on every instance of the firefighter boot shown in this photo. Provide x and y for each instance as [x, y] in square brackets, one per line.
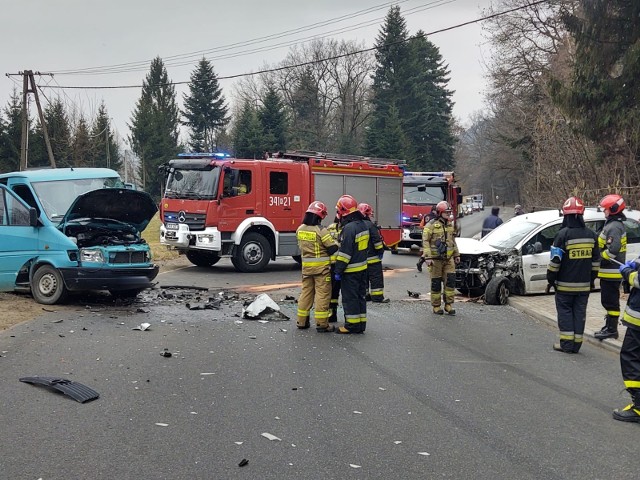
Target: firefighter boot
[449, 309]
[630, 413]
[610, 329]
[437, 309]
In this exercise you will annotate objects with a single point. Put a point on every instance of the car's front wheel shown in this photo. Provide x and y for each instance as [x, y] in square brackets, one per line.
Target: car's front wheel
[47, 286]
[497, 291]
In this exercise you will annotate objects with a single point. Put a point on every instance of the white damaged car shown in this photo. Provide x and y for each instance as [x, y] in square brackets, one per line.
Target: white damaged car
[514, 257]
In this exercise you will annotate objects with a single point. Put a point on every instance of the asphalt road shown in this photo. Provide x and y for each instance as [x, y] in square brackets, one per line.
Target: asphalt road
[478, 395]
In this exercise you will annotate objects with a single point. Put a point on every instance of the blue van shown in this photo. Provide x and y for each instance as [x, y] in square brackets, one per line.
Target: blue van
[73, 229]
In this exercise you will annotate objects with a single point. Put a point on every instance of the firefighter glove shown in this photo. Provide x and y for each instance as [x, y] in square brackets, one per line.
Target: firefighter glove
[549, 287]
[337, 277]
[456, 259]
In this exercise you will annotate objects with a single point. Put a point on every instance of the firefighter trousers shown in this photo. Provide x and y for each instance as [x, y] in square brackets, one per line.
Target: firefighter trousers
[442, 271]
[572, 316]
[354, 303]
[376, 281]
[335, 296]
[630, 359]
[610, 297]
[316, 291]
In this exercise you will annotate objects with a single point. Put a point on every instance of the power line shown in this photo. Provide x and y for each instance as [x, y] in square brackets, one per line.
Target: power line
[312, 62]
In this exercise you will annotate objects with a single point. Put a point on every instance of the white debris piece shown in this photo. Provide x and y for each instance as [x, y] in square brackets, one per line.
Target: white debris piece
[162, 424]
[238, 443]
[426, 454]
[271, 437]
[353, 465]
[262, 305]
[357, 412]
[398, 442]
[142, 327]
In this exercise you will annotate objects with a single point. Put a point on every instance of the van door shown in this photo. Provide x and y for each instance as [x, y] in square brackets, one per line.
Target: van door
[535, 264]
[18, 239]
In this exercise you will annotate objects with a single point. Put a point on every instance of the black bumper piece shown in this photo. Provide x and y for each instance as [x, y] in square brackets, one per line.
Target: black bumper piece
[77, 391]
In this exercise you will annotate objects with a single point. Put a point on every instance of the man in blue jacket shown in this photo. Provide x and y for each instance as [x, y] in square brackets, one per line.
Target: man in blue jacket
[492, 221]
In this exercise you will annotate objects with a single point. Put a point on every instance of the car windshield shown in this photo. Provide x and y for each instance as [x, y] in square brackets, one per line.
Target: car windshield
[507, 235]
[422, 195]
[56, 197]
[196, 184]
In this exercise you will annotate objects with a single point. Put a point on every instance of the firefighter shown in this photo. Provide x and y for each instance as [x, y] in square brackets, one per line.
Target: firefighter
[334, 229]
[574, 265]
[630, 351]
[441, 255]
[316, 247]
[613, 248]
[374, 258]
[423, 222]
[351, 265]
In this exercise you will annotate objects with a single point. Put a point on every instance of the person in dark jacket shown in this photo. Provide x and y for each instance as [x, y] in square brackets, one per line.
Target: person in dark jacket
[374, 259]
[351, 265]
[630, 351]
[492, 221]
[613, 249]
[574, 265]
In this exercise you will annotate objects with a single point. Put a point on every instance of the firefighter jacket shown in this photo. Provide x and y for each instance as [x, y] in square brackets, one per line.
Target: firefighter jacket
[580, 262]
[335, 229]
[354, 246]
[438, 240]
[613, 245]
[315, 243]
[376, 247]
[631, 316]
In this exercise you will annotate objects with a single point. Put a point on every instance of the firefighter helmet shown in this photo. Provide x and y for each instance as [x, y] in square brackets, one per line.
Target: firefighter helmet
[346, 205]
[442, 207]
[615, 203]
[365, 209]
[318, 208]
[573, 205]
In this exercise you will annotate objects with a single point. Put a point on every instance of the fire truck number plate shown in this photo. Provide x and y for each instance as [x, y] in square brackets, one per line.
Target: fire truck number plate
[279, 201]
[172, 226]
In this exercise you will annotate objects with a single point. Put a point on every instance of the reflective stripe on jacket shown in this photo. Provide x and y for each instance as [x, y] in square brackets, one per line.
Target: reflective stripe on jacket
[580, 261]
[313, 241]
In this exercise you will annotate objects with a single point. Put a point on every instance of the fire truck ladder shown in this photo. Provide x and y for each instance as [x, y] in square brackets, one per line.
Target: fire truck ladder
[305, 155]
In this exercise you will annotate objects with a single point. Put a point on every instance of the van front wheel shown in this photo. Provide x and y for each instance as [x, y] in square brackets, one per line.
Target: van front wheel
[47, 286]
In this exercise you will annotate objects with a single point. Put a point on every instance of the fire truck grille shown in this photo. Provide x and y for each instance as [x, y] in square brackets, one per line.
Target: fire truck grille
[128, 257]
[195, 221]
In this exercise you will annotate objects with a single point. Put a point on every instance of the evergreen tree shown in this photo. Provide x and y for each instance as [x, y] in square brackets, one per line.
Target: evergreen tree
[81, 154]
[306, 114]
[604, 92]
[154, 125]
[105, 151]
[247, 134]
[10, 138]
[273, 121]
[59, 133]
[389, 77]
[205, 109]
[391, 142]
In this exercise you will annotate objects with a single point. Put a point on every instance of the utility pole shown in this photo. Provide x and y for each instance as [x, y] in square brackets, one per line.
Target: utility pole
[29, 86]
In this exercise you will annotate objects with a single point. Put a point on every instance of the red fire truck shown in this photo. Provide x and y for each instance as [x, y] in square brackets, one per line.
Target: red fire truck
[215, 206]
[421, 193]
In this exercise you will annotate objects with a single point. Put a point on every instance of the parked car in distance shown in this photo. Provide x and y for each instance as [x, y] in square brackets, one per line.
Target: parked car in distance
[73, 229]
[514, 257]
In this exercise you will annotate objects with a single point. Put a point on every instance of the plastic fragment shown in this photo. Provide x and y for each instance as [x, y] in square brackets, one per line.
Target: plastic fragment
[271, 437]
[413, 294]
[353, 465]
[243, 462]
[426, 454]
[398, 442]
[357, 412]
[142, 327]
[162, 424]
[165, 353]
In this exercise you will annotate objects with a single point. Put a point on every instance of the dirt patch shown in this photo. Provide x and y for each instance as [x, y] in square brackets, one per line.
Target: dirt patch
[20, 307]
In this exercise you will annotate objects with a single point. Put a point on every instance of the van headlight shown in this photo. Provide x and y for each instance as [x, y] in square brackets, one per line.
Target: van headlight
[91, 255]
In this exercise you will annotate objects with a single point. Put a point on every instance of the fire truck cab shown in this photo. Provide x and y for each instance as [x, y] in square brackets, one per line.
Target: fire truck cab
[421, 193]
[215, 206]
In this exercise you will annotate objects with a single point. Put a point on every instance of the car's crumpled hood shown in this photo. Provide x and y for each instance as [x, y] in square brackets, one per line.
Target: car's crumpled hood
[132, 207]
[470, 246]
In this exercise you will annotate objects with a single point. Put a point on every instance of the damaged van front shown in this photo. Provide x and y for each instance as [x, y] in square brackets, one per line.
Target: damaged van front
[73, 229]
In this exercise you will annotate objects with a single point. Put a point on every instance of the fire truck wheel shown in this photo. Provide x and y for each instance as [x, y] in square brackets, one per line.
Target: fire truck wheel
[253, 253]
[202, 259]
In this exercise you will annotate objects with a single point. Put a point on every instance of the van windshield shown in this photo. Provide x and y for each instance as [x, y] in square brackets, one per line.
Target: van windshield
[56, 197]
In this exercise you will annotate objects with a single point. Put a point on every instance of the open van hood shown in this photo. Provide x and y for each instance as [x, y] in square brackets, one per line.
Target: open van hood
[132, 207]
[470, 246]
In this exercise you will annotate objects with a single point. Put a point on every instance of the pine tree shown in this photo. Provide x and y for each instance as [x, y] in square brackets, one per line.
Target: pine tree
[205, 110]
[10, 139]
[59, 133]
[81, 154]
[306, 114]
[273, 121]
[105, 151]
[247, 134]
[154, 125]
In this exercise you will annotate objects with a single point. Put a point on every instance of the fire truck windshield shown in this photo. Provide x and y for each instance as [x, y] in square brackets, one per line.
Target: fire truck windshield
[423, 194]
[189, 183]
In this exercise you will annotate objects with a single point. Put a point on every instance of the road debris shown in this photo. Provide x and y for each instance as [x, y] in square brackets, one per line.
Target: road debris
[165, 353]
[162, 424]
[271, 437]
[80, 393]
[243, 462]
[263, 307]
[413, 294]
[142, 327]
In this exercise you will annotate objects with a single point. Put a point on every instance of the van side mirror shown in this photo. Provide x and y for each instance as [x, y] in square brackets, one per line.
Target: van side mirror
[33, 217]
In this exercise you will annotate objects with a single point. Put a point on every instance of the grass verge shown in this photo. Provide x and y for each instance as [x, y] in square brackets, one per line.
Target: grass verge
[152, 235]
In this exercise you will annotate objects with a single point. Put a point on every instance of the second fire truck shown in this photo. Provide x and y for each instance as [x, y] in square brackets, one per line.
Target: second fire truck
[214, 206]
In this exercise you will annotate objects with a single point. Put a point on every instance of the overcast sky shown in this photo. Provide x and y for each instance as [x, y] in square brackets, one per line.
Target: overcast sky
[58, 35]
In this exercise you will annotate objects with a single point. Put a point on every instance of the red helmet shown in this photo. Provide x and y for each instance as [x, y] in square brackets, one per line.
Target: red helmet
[442, 207]
[615, 203]
[346, 205]
[318, 208]
[365, 209]
[573, 205]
